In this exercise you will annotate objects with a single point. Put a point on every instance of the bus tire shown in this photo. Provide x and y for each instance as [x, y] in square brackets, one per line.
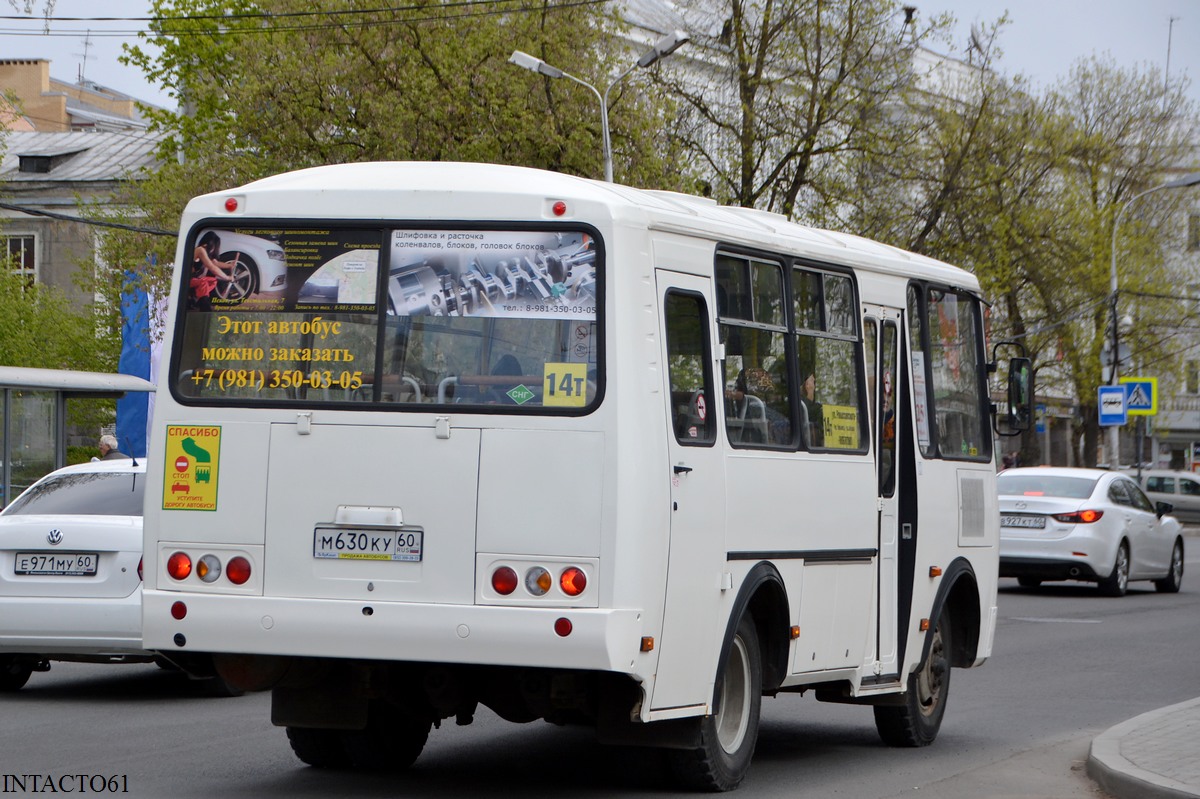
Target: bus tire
[916, 722]
[14, 673]
[728, 737]
[392, 740]
[318, 748]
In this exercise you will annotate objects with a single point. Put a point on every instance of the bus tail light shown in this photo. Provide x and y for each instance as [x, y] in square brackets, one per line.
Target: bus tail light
[504, 581]
[538, 581]
[563, 626]
[238, 570]
[209, 568]
[1079, 517]
[178, 611]
[179, 566]
[572, 581]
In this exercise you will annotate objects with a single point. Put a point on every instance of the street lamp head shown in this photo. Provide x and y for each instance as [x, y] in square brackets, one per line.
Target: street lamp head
[1183, 182]
[533, 64]
[664, 47]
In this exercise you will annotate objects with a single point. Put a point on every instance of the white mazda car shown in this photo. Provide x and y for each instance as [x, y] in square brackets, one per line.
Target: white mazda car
[1086, 524]
[70, 570]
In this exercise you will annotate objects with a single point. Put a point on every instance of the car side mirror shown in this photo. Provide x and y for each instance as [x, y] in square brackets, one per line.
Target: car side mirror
[1163, 508]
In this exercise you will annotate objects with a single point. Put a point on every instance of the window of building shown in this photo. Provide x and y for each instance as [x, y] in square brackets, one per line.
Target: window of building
[1193, 241]
[19, 253]
[1192, 376]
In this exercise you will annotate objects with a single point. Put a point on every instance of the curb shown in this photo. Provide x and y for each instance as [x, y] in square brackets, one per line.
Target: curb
[1126, 780]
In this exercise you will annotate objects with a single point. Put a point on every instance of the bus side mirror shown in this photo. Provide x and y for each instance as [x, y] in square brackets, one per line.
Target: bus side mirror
[1019, 405]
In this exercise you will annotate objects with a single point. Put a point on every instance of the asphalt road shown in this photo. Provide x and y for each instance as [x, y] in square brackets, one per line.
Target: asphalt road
[1067, 665]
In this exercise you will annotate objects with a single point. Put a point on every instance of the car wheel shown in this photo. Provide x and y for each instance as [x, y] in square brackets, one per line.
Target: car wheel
[728, 736]
[1117, 582]
[1028, 582]
[318, 748]
[14, 673]
[917, 721]
[245, 278]
[1170, 584]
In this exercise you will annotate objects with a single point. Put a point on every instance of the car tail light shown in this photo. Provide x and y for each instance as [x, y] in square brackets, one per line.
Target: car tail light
[1079, 517]
[504, 581]
[179, 566]
[238, 570]
[572, 581]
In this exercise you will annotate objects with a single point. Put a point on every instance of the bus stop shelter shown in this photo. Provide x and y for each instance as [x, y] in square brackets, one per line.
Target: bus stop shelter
[33, 418]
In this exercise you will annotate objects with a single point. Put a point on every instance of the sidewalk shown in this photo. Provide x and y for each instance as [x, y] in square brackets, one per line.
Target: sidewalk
[1153, 756]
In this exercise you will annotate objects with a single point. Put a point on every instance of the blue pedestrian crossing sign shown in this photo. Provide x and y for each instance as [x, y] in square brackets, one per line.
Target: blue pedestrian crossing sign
[1111, 402]
[1141, 395]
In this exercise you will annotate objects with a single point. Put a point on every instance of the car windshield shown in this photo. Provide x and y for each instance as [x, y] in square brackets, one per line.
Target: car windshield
[85, 493]
[1039, 485]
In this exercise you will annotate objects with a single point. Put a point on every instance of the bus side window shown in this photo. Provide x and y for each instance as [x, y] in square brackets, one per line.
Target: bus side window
[689, 366]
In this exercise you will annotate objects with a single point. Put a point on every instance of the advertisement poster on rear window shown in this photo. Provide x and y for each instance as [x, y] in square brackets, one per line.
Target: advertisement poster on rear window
[270, 269]
[524, 274]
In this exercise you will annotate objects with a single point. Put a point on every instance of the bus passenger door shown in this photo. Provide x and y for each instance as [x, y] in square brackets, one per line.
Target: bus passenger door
[697, 512]
[881, 329]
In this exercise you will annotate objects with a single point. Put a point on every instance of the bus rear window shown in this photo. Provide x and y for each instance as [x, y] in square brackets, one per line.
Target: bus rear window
[391, 316]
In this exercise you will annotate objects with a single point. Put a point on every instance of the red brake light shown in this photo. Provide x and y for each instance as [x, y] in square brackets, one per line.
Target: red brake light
[563, 627]
[179, 566]
[237, 570]
[504, 581]
[178, 611]
[573, 581]
[1079, 516]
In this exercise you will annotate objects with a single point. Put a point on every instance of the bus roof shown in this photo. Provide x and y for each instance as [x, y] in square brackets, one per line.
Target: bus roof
[468, 191]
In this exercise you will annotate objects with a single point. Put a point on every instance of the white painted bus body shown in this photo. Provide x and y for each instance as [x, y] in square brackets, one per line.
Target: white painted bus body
[673, 539]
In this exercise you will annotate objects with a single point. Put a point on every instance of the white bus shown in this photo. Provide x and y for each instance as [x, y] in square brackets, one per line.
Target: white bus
[569, 450]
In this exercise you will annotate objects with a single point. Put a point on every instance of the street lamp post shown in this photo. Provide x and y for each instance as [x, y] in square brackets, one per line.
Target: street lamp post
[661, 49]
[1114, 441]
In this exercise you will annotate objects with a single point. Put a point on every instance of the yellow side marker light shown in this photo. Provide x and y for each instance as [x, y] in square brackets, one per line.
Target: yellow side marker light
[795, 631]
[935, 571]
[647, 643]
[924, 625]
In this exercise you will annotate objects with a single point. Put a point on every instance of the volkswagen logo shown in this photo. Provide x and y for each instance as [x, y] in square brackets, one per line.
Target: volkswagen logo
[55, 537]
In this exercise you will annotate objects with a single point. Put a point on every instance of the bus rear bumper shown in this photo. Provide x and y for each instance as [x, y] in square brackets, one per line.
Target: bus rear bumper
[598, 639]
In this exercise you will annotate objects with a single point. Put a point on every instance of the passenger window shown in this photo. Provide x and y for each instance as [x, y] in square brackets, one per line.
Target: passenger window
[753, 330]
[1118, 494]
[1162, 485]
[689, 370]
[1189, 487]
[1137, 498]
[827, 363]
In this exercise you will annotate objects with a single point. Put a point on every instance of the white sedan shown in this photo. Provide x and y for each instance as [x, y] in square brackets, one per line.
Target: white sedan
[1086, 524]
[70, 570]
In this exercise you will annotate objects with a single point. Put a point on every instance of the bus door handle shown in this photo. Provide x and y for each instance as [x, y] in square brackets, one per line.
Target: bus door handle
[681, 469]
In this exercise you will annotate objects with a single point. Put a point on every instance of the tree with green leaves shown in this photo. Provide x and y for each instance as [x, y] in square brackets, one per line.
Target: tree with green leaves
[782, 96]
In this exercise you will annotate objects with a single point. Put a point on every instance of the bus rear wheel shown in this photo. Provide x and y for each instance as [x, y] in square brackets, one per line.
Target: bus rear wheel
[916, 722]
[729, 735]
[318, 748]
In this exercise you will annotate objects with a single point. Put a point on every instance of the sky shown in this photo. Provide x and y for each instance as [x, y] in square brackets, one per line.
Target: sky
[1042, 41]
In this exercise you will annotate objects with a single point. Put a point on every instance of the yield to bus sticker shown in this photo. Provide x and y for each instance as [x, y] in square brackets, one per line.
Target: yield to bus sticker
[190, 472]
